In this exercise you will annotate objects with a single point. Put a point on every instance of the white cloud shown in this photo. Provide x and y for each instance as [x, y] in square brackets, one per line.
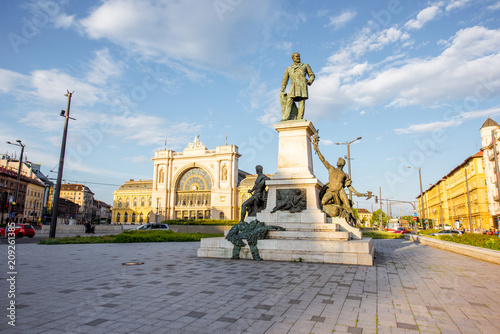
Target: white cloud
[137, 159]
[64, 21]
[151, 130]
[197, 33]
[468, 67]
[53, 84]
[103, 66]
[12, 82]
[457, 4]
[455, 121]
[425, 15]
[341, 19]
[495, 6]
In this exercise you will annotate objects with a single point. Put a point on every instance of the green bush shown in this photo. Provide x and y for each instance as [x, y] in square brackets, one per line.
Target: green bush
[382, 235]
[472, 239]
[132, 237]
[201, 222]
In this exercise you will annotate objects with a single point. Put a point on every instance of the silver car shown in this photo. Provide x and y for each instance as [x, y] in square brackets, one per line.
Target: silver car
[153, 226]
[447, 232]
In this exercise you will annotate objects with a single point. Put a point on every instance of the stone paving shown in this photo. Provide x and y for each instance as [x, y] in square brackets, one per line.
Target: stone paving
[86, 289]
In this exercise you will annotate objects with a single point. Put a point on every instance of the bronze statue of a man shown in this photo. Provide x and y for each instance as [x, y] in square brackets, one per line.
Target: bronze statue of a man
[257, 200]
[335, 201]
[300, 76]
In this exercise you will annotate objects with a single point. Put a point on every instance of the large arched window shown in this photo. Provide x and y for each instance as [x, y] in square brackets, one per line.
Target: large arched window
[120, 202]
[143, 201]
[127, 202]
[141, 218]
[133, 218]
[194, 188]
[135, 202]
[125, 218]
[118, 216]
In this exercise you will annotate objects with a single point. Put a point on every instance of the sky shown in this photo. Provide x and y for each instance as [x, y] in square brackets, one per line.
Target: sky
[414, 79]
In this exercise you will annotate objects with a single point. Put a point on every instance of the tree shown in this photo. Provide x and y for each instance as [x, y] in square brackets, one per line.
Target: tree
[375, 219]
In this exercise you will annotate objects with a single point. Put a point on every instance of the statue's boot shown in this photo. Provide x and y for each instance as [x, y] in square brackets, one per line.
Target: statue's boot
[236, 252]
[255, 253]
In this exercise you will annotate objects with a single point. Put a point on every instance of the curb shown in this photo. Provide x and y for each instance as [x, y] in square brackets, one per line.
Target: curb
[485, 254]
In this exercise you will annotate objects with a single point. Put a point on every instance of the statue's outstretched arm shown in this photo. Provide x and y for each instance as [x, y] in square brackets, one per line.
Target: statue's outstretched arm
[316, 148]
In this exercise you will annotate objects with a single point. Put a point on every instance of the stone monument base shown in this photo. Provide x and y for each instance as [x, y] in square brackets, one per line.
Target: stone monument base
[317, 242]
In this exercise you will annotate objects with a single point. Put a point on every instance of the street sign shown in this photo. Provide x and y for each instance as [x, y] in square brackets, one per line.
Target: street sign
[415, 218]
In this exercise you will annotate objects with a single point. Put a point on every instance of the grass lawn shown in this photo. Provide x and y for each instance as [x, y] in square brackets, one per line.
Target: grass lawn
[132, 236]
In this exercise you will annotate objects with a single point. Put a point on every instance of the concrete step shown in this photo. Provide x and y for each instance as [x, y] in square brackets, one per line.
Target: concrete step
[309, 235]
[358, 252]
[308, 226]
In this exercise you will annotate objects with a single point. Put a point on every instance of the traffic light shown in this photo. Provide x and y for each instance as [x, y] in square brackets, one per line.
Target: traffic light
[376, 199]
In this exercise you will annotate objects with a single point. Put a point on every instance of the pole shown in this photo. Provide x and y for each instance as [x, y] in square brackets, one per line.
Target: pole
[55, 198]
[494, 142]
[349, 167]
[421, 199]
[381, 226]
[468, 198]
[440, 206]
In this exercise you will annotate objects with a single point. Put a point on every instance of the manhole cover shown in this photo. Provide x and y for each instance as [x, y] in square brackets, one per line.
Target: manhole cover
[132, 263]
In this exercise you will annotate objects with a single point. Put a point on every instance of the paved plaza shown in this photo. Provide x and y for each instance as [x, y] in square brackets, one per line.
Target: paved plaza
[87, 289]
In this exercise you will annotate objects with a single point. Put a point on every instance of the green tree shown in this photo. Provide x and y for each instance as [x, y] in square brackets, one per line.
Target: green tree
[375, 219]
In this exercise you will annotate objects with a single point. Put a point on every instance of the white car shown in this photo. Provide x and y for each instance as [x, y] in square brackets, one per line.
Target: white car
[153, 226]
[447, 232]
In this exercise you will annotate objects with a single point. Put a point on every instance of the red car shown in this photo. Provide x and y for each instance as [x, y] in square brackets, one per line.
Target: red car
[20, 230]
[401, 230]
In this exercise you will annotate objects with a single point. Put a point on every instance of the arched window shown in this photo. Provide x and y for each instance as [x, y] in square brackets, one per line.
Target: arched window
[133, 218]
[120, 202]
[125, 218]
[127, 202]
[135, 201]
[141, 218]
[118, 216]
[150, 202]
[221, 216]
[143, 201]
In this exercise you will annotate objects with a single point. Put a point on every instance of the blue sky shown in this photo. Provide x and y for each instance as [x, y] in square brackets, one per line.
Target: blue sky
[415, 80]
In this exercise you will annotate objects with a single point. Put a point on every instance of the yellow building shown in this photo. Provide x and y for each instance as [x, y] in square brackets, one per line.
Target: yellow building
[132, 202]
[459, 197]
[364, 215]
[196, 183]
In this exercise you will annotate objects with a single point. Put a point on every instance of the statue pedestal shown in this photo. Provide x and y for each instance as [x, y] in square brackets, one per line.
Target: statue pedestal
[310, 236]
[295, 171]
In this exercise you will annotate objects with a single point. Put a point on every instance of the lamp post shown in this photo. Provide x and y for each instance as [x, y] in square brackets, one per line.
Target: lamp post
[349, 160]
[18, 171]
[55, 198]
[421, 199]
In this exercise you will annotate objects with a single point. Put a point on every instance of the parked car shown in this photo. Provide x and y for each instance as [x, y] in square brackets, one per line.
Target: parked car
[153, 226]
[20, 230]
[401, 230]
[447, 232]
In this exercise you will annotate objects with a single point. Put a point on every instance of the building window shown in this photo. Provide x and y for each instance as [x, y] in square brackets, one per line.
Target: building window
[143, 201]
[127, 202]
[118, 217]
[141, 218]
[125, 218]
[120, 202]
[221, 216]
[133, 218]
[135, 201]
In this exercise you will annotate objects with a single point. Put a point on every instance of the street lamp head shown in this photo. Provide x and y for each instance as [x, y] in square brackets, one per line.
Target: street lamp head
[63, 112]
[19, 141]
[358, 138]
